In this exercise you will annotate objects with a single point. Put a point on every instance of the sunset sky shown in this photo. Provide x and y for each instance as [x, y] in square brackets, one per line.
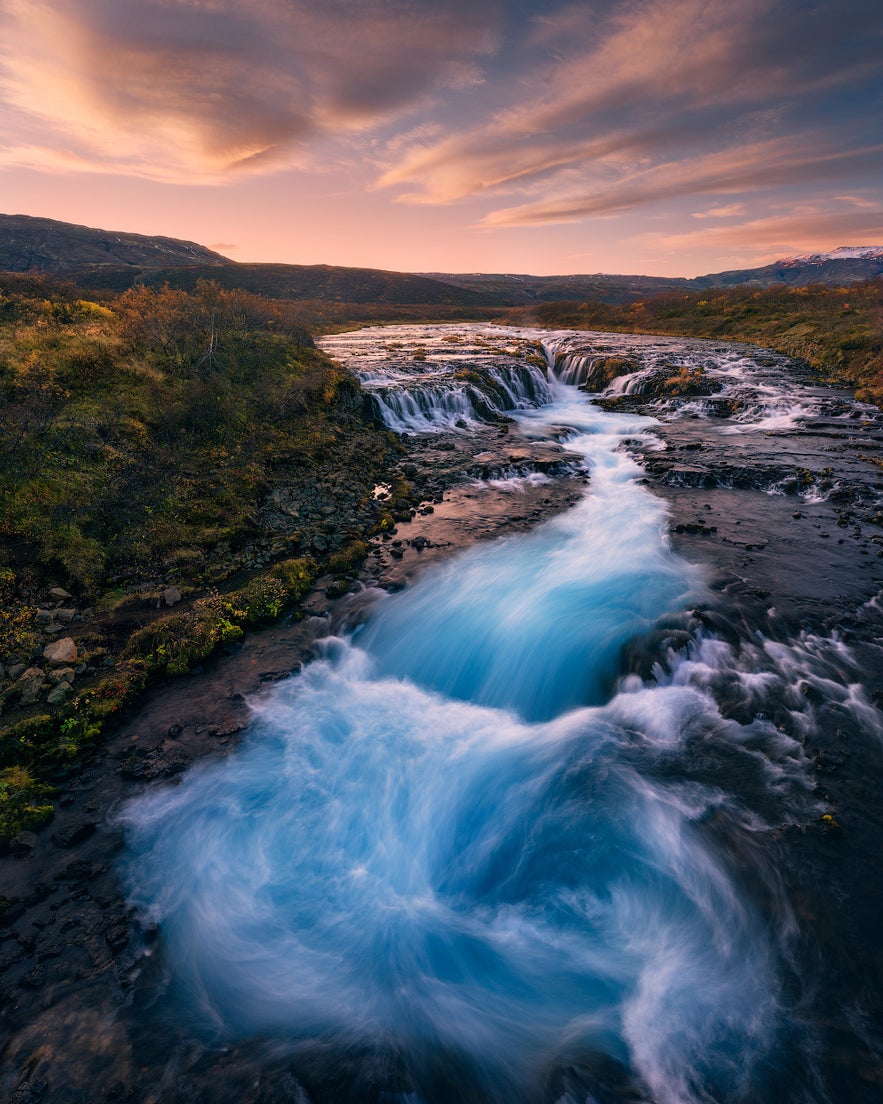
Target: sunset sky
[669, 137]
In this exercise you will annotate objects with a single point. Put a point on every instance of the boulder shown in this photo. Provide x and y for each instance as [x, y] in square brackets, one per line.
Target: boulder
[59, 694]
[59, 594]
[61, 653]
[62, 674]
[30, 684]
[171, 596]
[65, 615]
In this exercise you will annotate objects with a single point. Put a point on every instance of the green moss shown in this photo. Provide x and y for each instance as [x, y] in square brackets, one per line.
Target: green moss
[23, 804]
[349, 559]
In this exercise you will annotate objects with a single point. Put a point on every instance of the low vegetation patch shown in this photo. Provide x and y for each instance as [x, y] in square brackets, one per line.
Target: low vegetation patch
[176, 468]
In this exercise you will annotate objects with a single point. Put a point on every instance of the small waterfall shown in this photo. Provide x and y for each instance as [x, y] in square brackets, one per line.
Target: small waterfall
[431, 390]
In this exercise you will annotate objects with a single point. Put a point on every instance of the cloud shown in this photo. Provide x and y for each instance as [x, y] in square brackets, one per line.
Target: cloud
[776, 235]
[631, 103]
[182, 88]
[728, 210]
[743, 169]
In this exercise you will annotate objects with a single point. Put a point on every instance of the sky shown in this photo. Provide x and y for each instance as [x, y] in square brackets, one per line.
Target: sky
[665, 137]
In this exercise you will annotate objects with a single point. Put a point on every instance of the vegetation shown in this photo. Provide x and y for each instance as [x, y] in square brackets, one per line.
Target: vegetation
[838, 331]
[142, 437]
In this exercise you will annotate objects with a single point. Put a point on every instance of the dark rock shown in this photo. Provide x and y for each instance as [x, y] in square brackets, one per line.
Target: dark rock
[74, 834]
[29, 1092]
[117, 934]
[34, 978]
[80, 870]
[22, 843]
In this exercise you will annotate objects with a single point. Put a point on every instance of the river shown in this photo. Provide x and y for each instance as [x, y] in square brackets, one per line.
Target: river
[540, 826]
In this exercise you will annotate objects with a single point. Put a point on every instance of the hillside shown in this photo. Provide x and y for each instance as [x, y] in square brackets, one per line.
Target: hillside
[518, 289]
[44, 245]
[332, 283]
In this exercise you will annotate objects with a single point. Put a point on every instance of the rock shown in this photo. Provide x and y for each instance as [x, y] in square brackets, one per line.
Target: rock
[59, 594]
[61, 653]
[16, 670]
[44, 617]
[30, 685]
[55, 627]
[22, 843]
[171, 596]
[117, 934]
[34, 978]
[61, 674]
[74, 834]
[65, 615]
[59, 694]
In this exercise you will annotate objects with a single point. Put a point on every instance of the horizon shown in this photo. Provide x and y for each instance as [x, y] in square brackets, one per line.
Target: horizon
[670, 138]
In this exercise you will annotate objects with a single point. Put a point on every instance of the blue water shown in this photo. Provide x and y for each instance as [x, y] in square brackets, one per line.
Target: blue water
[454, 838]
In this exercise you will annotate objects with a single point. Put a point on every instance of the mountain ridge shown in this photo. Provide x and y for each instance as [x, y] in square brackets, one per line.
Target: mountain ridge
[116, 260]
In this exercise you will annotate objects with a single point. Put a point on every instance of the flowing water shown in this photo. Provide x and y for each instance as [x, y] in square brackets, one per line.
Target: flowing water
[479, 851]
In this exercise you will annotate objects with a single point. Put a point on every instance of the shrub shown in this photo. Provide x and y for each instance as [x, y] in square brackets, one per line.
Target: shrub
[22, 803]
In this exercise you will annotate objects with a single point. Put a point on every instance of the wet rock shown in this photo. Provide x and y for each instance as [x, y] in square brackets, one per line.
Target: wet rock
[61, 653]
[23, 843]
[117, 934]
[29, 1092]
[74, 834]
[34, 978]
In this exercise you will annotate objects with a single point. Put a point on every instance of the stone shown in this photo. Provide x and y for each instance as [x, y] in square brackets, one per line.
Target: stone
[74, 834]
[65, 615]
[22, 843]
[15, 670]
[171, 596]
[61, 653]
[61, 674]
[30, 685]
[60, 694]
[44, 617]
[60, 594]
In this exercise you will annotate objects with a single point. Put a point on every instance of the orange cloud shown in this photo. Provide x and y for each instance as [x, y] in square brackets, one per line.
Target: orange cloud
[180, 89]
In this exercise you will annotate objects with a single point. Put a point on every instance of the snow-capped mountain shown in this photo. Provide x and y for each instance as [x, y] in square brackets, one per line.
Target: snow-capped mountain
[842, 253]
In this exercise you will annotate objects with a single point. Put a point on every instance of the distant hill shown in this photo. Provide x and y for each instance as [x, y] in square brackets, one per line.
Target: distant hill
[335, 283]
[848, 264]
[115, 260]
[514, 290]
[44, 245]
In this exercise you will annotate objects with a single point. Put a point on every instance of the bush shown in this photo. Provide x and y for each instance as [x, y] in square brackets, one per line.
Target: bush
[22, 803]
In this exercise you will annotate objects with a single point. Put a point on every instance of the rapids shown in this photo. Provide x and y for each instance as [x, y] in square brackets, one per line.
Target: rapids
[471, 852]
